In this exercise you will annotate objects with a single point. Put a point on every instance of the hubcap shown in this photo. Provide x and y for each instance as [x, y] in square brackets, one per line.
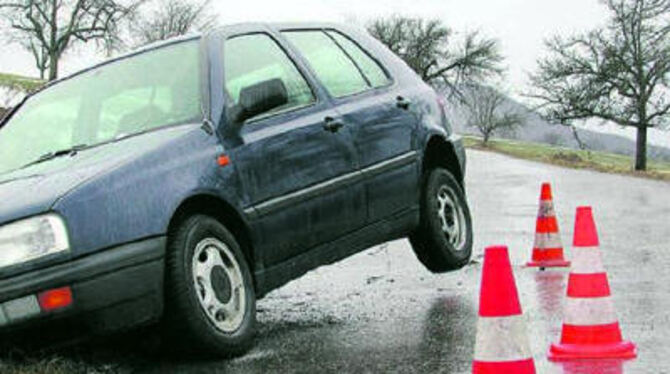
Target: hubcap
[219, 284]
[451, 216]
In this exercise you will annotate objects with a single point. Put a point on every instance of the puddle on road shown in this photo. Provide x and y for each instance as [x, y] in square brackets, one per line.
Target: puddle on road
[448, 339]
[550, 289]
[592, 367]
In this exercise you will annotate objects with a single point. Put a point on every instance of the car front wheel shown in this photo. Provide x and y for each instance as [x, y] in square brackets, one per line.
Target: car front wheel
[210, 298]
[443, 240]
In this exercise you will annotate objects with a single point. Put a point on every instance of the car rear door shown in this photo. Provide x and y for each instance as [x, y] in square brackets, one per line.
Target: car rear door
[382, 123]
[295, 164]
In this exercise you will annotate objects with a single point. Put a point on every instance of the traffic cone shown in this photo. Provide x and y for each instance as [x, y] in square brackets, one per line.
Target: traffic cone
[547, 249]
[502, 343]
[590, 326]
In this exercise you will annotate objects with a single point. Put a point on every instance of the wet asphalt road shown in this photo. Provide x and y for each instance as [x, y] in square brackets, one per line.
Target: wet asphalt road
[381, 311]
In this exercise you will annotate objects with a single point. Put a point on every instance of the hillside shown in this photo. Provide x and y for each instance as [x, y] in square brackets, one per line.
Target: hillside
[577, 159]
[540, 131]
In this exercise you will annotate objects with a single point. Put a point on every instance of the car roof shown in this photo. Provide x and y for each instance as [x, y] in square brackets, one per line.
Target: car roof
[194, 36]
[279, 26]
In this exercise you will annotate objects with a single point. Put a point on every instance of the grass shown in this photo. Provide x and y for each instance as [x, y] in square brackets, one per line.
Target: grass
[19, 82]
[578, 159]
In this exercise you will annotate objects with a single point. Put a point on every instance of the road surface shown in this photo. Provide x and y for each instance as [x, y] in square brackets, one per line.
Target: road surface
[381, 311]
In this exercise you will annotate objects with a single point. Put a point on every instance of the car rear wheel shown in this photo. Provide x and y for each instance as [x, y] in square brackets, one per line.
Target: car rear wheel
[210, 299]
[443, 240]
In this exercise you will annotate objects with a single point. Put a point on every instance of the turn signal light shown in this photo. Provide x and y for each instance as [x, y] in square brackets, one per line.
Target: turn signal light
[223, 160]
[55, 299]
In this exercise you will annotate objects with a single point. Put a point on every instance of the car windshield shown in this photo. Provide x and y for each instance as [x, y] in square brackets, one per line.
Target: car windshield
[153, 89]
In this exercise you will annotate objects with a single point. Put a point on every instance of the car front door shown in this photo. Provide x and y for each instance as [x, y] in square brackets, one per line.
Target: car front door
[295, 163]
[379, 116]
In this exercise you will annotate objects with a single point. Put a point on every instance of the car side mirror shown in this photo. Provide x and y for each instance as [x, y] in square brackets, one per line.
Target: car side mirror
[257, 99]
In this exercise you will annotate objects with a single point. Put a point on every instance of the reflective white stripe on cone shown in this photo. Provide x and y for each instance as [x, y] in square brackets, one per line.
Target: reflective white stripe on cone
[586, 260]
[545, 240]
[589, 311]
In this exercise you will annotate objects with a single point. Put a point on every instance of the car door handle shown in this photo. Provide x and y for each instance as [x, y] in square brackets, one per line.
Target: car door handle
[331, 124]
[402, 103]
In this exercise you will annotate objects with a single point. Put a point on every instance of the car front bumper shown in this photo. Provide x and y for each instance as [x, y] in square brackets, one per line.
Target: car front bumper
[114, 289]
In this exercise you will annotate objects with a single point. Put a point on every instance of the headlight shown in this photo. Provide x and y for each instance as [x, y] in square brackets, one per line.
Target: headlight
[32, 238]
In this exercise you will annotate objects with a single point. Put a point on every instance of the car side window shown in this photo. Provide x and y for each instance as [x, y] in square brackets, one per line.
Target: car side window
[370, 68]
[254, 58]
[333, 67]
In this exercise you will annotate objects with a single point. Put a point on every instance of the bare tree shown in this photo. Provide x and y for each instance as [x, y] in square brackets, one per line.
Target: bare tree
[40, 54]
[427, 47]
[575, 134]
[29, 43]
[487, 112]
[173, 18]
[618, 73]
[49, 27]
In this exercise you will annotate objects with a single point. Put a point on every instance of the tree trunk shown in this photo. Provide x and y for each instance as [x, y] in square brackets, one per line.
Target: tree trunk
[53, 67]
[641, 148]
[52, 49]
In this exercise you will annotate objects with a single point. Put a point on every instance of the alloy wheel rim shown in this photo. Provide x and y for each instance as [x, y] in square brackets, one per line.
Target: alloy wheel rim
[219, 284]
[451, 217]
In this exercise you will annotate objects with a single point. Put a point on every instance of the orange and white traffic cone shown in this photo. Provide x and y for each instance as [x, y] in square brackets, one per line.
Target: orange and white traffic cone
[590, 326]
[502, 343]
[548, 248]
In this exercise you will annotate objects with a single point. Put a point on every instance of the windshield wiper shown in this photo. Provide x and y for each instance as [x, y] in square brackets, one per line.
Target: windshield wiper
[55, 154]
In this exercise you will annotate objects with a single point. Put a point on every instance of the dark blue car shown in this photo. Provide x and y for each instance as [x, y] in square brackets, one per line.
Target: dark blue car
[183, 181]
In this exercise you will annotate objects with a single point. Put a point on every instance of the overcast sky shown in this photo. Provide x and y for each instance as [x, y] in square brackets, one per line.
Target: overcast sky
[520, 25]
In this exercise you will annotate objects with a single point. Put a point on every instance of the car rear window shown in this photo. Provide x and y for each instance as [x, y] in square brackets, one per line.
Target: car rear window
[336, 71]
[370, 68]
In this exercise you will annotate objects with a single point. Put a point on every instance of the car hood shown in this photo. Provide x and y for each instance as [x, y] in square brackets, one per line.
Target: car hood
[35, 189]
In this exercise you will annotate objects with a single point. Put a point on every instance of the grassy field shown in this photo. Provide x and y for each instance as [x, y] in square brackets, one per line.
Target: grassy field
[19, 82]
[579, 159]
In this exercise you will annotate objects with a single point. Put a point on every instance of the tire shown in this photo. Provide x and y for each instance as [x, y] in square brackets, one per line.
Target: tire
[227, 326]
[441, 250]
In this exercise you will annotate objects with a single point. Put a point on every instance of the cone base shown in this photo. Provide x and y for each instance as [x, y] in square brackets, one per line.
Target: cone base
[562, 352]
[517, 367]
[548, 264]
